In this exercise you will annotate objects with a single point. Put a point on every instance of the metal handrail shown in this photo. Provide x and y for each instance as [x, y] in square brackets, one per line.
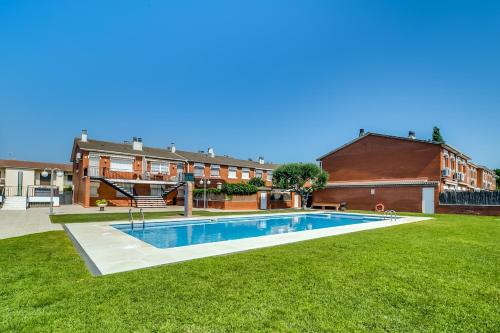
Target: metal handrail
[131, 219]
[391, 214]
[143, 220]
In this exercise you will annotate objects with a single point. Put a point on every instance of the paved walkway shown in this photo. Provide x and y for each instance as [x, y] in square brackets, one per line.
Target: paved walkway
[14, 223]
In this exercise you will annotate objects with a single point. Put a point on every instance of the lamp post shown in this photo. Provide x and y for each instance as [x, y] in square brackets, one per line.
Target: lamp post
[204, 181]
[45, 173]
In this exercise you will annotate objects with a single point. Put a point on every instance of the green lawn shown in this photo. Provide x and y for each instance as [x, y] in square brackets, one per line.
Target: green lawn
[440, 276]
[106, 217]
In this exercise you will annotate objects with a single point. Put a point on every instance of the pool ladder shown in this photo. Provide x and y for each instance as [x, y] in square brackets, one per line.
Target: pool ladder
[131, 219]
[390, 214]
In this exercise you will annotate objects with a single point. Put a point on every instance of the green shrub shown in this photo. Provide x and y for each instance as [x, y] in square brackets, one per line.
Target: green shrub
[256, 181]
[239, 189]
[199, 191]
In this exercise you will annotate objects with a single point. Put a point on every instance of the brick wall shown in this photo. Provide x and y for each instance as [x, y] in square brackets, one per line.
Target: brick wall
[473, 210]
[402, 199]
[375, 157]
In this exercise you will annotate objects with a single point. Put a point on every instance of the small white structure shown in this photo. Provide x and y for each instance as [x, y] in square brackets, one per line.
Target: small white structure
[23, 183]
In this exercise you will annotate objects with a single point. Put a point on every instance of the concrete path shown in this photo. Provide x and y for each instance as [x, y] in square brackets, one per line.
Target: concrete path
[19, 223]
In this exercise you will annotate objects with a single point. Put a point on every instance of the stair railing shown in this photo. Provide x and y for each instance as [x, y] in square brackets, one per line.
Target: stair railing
[390, 214]
[131, 219]
[143, 219]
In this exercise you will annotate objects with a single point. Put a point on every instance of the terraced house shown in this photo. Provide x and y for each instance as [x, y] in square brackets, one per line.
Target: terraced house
[401, 173]
[131, 174]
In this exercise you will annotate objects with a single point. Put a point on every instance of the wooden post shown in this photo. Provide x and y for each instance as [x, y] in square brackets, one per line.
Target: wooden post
[188, 199]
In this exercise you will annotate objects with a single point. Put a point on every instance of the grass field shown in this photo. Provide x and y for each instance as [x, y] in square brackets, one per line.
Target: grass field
[106, 217]
[441, 276]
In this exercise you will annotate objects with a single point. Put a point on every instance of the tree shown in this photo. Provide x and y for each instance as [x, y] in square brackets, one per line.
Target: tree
[256, 181]
[497, 172]
[436, 135]
[301, 178]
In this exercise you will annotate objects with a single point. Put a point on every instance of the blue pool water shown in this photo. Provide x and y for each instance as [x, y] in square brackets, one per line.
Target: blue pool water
[176, 234]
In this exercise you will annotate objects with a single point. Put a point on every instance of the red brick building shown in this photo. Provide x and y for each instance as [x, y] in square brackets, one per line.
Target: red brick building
[131, 174]
[401, 173]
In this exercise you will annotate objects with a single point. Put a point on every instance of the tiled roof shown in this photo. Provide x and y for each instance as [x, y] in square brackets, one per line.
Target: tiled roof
[385, 182]
[35, 165]
[225, 160]
[126, 148]
[444, 145]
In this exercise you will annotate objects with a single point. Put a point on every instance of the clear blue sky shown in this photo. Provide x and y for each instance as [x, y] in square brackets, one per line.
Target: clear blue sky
[288, 80]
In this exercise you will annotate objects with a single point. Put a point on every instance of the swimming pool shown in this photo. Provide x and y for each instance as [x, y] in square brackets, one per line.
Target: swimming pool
[177, 234]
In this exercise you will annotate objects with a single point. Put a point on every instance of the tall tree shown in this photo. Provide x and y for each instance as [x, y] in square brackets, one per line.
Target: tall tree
[301, 178]
[436, 135]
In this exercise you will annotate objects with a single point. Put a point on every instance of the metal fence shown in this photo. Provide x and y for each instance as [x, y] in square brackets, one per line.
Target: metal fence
[483, 198]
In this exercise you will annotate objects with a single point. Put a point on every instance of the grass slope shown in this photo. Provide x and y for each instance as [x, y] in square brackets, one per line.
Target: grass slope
[441, 275]
[106, 217]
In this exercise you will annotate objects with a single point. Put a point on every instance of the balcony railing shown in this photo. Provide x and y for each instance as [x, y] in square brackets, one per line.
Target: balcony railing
[112, 174]
[29, 191]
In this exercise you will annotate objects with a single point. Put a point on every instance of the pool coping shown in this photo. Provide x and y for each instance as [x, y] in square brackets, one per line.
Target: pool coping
[107, 250]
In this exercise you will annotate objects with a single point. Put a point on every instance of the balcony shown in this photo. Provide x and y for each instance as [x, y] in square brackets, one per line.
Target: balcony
[446, 172]
[134, 175]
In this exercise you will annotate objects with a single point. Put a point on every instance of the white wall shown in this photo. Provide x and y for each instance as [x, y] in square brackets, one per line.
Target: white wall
[11, 177]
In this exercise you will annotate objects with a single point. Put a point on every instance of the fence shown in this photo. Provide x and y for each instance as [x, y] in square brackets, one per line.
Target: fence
[221, 201]
[483, 198]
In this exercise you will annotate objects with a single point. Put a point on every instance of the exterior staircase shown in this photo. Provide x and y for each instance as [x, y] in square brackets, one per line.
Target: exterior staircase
[149, 201]
[141, 201]
[14, 203]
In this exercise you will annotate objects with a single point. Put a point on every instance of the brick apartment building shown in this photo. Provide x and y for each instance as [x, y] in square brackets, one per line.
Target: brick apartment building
[131, 174]
[401, 173]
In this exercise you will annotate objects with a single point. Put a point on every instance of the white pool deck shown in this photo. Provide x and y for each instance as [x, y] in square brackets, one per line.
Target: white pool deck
[107, 250]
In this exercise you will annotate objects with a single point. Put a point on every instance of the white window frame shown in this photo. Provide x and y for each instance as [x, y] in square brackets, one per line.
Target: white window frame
[230, 172]
[245, 173]
[269, 175]
[160, 167]
[259, 173]
[214, 167]
[199, 166]
[117, 167]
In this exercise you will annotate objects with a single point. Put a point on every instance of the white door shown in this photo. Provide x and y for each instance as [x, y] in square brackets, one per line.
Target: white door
[295, 201]
[428, 200]
[263, 200]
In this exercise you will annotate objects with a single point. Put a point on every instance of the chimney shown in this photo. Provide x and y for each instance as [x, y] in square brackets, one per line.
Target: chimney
[361, 132]
[172, 147]
[84, 135]
[411, 135]
[137, 143]
[261, 160]
[210, 151]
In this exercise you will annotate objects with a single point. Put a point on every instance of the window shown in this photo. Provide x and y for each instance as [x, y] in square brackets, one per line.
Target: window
[159, 167]
[245, 173]
[156, 190]
[232, 173]
[69, 178]
[94, 187]
[259, 173]
[214, 170]
[120, 164]
[269, 175]
[199, 170]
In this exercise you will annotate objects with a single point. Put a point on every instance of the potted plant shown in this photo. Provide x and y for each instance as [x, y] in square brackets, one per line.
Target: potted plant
[101, 203]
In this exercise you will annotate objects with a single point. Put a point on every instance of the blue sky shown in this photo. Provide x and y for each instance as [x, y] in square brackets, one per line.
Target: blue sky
[288, 80]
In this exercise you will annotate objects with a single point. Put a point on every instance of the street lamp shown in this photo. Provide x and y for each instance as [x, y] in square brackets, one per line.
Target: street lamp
[45, 173]
[204, 182]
